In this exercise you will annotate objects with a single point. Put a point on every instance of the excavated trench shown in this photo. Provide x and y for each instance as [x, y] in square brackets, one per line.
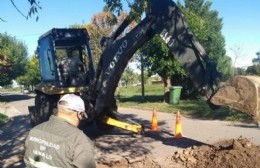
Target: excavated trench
[237, 153]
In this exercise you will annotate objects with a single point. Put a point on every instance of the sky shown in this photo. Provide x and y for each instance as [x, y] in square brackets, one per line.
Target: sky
[241, 22]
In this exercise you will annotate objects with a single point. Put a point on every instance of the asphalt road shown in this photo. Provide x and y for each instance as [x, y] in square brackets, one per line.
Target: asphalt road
[118, 144]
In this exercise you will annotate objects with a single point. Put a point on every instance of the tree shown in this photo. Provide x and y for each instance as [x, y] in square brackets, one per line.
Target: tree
[137, 7]
[255, 69]
[33, 10]
[257, 60]
[240, 71]
[13, 58]
[206, 26]
[32, 76]
[101, 26]
[157, 59]
[129, 76]
[5, 69]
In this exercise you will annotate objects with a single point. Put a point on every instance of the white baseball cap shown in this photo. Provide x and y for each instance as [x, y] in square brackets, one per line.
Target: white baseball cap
[75, 103]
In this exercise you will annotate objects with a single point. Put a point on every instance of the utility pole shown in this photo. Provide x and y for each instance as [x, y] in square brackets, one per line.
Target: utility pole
[142, 79]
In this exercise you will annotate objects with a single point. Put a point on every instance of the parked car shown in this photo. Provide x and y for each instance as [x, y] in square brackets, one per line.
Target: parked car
[26, 91]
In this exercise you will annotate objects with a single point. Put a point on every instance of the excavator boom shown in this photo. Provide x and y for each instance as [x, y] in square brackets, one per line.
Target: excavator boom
[166, 20]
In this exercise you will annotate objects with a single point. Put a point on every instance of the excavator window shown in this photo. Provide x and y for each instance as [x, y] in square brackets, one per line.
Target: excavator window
[52, 52]
[71, 66]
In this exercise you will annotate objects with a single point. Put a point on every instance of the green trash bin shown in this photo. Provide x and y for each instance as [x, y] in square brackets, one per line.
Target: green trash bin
[175, 93]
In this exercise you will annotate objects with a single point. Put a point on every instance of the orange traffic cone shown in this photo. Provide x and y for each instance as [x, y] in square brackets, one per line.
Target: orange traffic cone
[178, 129]
[154, 126]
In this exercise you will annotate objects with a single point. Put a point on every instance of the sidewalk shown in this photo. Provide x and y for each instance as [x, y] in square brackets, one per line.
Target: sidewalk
[9, 110]
[13, 133]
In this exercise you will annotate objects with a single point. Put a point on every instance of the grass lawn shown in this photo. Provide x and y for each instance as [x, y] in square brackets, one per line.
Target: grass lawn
[3, 118]
[131, 97]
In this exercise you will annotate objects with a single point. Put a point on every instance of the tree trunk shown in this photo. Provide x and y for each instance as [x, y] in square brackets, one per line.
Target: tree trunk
[167, 85]
[142, 79]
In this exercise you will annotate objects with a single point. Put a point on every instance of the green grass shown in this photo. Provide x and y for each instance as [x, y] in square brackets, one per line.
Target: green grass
[131, 97]
[9, 89]
[3, 118]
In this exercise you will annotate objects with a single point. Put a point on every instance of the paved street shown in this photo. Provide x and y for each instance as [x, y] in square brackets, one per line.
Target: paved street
[114, 145]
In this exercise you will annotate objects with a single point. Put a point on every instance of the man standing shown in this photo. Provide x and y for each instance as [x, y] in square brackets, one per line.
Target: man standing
[58, 142]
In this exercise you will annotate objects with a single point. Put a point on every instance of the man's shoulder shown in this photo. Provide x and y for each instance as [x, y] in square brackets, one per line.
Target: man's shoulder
[55, 129]
[39, 126]
[78, 135]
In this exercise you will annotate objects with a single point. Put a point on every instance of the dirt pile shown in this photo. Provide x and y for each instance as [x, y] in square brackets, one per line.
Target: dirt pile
[141, 162]
[237, 153]
[241, 93]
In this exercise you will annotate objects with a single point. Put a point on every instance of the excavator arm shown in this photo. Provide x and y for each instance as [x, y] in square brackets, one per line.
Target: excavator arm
[166, 20]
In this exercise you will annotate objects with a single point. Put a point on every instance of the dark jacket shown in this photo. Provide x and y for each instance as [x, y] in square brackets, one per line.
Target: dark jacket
[57, 143]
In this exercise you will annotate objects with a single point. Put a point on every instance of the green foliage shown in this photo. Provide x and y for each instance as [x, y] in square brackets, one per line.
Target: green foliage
[13, 58]
[33, 9]
[3, 118]
[158, 59]
[239, 71]
[129, 77]
[254, 70]
[206, 26]
[32, 76]
[257, 59]
[102, 25]
[224, 66]
[137, 7]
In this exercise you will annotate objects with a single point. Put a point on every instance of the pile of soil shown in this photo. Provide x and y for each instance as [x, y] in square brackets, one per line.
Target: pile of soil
[242, 94]
[237, 153]
[141, 162]
[230, 153]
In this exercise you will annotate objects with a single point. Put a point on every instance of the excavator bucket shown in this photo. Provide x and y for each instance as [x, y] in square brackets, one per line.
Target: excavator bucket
[241, 93]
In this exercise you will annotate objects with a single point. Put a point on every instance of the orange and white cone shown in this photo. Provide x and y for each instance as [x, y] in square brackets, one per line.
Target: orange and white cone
[154, 126]
[178, 128]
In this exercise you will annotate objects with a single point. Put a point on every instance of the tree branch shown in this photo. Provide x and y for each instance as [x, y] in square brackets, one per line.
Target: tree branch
[18, 9]
[2, 20]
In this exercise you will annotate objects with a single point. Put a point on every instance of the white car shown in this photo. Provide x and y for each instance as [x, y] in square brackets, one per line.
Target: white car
[26, 91]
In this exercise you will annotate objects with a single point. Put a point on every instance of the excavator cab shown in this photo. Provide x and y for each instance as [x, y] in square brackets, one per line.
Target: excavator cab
[65, 57]
[66, 66]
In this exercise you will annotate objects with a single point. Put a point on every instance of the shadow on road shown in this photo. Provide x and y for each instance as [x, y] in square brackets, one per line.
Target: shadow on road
[255, 126]
[166, 136]
[12, 138]
[119, 142]
[183, 142]
[16, 97]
